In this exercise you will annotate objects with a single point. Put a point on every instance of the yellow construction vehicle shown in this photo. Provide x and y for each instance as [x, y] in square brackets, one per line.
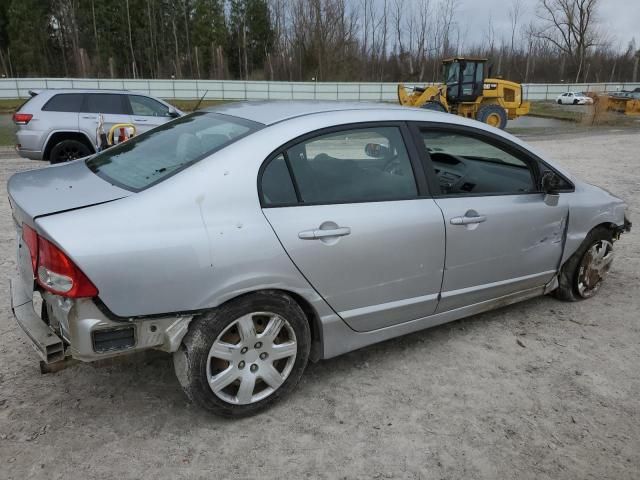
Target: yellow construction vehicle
[627, 102]
[468, 93]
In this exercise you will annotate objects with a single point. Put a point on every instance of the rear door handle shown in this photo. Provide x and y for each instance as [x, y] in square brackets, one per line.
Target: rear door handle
[318, 234]
[89, 117]
[468, 220]
[140, 120]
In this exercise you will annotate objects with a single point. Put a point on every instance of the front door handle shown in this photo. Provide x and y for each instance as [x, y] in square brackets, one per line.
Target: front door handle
[468, 219]
[140, 120]
[319, 234]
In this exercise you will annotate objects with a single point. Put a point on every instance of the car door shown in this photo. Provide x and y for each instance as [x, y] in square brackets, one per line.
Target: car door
[347, 208]
[502, 237]
[113, 107]
[147, 113]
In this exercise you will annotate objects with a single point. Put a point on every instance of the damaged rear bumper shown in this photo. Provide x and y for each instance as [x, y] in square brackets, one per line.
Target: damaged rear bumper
[44, 340]
[79, 329]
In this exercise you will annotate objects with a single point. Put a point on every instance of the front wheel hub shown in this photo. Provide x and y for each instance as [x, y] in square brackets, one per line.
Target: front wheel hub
[594, 267]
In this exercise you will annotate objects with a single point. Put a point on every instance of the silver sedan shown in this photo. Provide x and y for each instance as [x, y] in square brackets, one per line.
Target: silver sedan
[252, 238]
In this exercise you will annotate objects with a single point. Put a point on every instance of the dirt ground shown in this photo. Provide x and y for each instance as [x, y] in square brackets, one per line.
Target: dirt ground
[542, 389]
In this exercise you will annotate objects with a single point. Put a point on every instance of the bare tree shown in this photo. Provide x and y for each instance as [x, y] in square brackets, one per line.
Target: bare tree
[570, 25]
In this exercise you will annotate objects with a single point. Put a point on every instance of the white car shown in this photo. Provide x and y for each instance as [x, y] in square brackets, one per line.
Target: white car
[574, 98]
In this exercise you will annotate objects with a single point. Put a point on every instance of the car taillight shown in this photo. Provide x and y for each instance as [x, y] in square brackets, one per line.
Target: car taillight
[54, 271]
[22, 118]
[30, 238]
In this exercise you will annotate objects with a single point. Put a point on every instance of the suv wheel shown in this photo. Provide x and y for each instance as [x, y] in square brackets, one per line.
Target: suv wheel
[68, 150]
[241, 357]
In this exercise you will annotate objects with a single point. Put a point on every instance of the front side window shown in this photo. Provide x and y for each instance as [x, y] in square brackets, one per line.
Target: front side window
[467, 165]
[159, 153]
[64, 102]
[145, 106]
[105, 103]
[356, 165]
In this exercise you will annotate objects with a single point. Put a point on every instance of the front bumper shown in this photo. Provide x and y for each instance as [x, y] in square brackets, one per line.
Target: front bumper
[79, 329]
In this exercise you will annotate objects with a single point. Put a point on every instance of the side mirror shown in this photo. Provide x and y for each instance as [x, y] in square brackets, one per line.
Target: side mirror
[376, 150]
[173, 113]
[550, 183]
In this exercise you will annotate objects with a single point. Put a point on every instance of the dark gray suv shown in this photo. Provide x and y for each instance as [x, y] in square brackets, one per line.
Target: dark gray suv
[60, 125]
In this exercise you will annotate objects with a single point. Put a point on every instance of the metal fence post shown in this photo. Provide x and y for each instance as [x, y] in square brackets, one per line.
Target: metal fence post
[149, 86]
[546, 95]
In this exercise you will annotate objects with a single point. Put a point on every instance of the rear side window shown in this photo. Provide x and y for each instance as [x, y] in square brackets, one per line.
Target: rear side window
[145, 106]
[64, 102]
[165, 150]
[105, 103]
[277, 186]
[356, 165]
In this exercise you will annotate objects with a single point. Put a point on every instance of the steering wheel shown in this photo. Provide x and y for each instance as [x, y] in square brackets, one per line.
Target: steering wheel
[393, 167]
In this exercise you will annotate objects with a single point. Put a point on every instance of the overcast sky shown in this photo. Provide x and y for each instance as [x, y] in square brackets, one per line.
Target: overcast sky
[621, 18]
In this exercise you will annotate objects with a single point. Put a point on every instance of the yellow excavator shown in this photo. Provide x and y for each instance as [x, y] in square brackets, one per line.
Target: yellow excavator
[468, 93]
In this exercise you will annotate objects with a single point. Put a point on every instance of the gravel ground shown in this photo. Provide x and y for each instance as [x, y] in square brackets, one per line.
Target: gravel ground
[542, 389]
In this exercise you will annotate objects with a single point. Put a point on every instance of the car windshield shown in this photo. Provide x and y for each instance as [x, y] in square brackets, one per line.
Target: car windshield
[157, 154]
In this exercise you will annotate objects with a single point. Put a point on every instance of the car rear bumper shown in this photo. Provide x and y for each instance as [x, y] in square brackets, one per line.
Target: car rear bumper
[47, 344]
[78, 328]
[30, 154]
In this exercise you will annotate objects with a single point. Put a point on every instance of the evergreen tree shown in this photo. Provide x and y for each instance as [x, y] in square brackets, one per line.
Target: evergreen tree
[28, 31]
[251, 36]
[209, 33]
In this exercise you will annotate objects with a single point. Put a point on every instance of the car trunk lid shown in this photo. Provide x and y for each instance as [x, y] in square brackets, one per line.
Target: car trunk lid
[46, 191]
[59, 188]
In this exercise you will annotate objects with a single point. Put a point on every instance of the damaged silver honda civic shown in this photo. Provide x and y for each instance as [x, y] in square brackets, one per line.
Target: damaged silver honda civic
[251, 238]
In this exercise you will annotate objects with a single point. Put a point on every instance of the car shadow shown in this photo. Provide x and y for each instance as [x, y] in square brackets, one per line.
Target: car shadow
[144, 383]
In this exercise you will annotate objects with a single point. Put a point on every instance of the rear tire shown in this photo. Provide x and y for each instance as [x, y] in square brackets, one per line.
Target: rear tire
[68, 150]
[434, 105]
[231, 350]
[582, 275]
[493, 115]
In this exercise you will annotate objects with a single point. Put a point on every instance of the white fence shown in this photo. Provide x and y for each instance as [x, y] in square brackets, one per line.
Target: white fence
[247, 90]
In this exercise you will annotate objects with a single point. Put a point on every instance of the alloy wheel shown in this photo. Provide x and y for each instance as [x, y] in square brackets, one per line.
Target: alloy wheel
[251, 358]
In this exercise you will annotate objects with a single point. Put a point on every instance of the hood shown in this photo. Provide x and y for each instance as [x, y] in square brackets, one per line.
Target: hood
[58, 188]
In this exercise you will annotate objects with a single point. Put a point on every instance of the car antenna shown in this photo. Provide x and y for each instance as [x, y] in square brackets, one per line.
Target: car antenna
[200, 101]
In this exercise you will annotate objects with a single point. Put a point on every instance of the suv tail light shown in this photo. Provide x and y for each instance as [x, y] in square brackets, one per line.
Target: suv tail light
[22, 118]
[55, 271]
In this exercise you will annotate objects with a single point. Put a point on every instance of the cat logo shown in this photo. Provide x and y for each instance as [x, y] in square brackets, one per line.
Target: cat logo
[490, 86]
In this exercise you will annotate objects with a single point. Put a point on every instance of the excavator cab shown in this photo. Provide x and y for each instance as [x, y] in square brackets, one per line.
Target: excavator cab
[464, 78]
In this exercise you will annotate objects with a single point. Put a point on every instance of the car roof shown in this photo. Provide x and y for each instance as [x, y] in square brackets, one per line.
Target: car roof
[270, 112]
[53, 91]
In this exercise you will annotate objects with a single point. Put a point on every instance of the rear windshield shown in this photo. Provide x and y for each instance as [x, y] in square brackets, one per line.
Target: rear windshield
[157, 154]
